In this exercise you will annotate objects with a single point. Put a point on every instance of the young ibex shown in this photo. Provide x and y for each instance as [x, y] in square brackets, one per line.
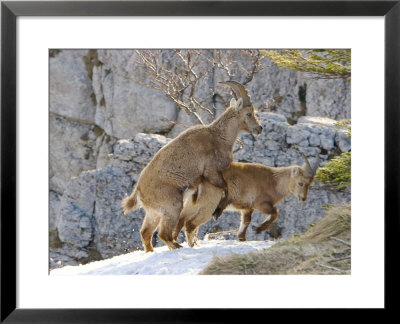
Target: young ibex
[200, 152]
[250, 186]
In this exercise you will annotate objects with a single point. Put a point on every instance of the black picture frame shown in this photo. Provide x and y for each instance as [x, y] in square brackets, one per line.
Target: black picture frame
[11, 10]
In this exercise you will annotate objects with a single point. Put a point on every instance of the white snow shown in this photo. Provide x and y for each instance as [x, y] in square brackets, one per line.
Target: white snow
[185, 261]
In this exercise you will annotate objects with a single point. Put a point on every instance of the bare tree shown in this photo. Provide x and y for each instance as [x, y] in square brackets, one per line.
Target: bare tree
[188, 77]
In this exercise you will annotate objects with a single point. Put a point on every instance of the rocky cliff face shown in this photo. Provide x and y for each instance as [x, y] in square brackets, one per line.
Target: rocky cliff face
[103, 126]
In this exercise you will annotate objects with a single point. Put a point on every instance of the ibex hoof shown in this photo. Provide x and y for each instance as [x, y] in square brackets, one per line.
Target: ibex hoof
[175, 246]
[178, 246]
[193, 244]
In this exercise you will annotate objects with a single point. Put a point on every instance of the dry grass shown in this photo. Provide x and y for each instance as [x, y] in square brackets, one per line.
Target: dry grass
[314, 252]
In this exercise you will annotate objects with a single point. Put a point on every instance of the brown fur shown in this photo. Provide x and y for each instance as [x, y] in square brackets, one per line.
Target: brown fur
[200, 152]
[250, 186]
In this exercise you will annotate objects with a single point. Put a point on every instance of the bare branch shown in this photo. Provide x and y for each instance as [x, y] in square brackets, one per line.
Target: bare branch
[340, 259]
[179, 75]
[341, 241]
[257, 58]
[175, 122]
[331, 268]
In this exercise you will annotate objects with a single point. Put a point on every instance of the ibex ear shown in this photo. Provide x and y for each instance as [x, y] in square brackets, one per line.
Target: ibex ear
[239, 104]
[295, 171]
[233, 103]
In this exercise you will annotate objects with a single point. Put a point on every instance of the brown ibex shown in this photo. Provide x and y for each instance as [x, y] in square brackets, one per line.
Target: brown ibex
[200, 152]
[250, 186]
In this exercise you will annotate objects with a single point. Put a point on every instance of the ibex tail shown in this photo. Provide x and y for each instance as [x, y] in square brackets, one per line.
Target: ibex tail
[131, 202]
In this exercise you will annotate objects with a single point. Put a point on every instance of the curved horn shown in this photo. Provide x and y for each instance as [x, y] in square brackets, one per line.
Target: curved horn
[240, 92]
[306, 166]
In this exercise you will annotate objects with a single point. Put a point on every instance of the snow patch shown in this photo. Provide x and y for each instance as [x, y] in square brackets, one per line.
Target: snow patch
[185, 261]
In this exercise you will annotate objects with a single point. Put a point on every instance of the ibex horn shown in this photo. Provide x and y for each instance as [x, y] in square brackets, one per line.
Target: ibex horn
[307, 167]
[239, 91]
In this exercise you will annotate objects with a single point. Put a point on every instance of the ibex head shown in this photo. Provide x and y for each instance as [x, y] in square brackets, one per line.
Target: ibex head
[248, 120]
[302, 177]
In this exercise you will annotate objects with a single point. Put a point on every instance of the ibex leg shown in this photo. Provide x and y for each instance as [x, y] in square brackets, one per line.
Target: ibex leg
[244, 224]
[171, 208]
[150, 223]
[216, 179]
[192, 224]
[267, 209]
[178, 228]
[221, 207]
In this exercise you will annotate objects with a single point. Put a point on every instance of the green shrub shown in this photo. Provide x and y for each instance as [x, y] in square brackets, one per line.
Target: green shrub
[337, 171]
[321, 63]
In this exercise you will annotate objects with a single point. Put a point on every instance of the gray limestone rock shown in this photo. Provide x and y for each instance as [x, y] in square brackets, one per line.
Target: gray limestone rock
[73, 149]
[71, 93]
[124, 106]
[329, 98]
[91, 216]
